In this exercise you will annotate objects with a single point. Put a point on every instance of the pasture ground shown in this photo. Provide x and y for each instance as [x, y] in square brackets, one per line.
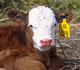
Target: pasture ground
[71, 48]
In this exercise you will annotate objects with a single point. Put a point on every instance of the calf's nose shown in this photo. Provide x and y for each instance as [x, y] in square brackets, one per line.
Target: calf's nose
[46, 42]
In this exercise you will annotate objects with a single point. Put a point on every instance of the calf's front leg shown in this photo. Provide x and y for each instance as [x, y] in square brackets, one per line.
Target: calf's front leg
[3, 69]
[55, 61]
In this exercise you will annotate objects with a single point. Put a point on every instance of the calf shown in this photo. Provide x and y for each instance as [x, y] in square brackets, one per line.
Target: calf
[42, 21]
[30, 42]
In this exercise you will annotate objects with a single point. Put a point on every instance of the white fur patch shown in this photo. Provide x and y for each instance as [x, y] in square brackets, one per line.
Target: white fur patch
[42, 19]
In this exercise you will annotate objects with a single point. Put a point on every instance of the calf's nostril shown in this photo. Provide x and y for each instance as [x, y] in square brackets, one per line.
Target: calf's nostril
[50, 41]
[41, 41]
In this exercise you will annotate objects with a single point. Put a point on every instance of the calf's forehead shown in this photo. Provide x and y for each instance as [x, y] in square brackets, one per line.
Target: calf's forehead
[41, 15]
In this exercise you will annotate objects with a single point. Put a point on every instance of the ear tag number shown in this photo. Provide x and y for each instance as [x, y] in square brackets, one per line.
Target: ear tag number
[64, 29]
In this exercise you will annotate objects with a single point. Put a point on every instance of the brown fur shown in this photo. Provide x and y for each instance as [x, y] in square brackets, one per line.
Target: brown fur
[2, 69]
[59, 15]
[16, 43]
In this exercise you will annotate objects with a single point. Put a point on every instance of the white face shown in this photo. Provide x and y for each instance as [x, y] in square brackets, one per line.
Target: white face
[42, 21]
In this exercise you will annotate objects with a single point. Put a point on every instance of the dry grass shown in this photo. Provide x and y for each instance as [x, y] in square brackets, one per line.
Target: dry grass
[71, 48]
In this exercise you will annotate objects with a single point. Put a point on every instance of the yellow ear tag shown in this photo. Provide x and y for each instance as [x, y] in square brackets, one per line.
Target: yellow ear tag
[64, 29]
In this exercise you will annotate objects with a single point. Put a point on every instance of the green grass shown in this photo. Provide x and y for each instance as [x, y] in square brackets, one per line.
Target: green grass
[26, 5]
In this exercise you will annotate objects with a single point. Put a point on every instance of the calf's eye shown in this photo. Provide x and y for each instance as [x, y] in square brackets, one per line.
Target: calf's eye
[55, 24]
[30, 26]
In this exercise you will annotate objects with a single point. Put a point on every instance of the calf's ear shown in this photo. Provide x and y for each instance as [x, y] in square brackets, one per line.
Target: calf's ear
[16, 16]
[60, 15]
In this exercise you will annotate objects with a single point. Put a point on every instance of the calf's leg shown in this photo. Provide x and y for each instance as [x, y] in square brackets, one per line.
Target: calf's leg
[3, 69]
[55, 61]
[27, 63]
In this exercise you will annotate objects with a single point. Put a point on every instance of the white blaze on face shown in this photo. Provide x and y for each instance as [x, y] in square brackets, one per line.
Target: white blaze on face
[43, 20]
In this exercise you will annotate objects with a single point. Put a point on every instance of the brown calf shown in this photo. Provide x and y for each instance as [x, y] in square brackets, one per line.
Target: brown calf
[17, 50]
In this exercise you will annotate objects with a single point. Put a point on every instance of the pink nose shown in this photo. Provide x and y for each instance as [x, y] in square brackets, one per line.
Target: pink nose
[46, 42]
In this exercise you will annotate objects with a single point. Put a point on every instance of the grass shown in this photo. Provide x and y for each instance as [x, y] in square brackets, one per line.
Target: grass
[26, 5]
